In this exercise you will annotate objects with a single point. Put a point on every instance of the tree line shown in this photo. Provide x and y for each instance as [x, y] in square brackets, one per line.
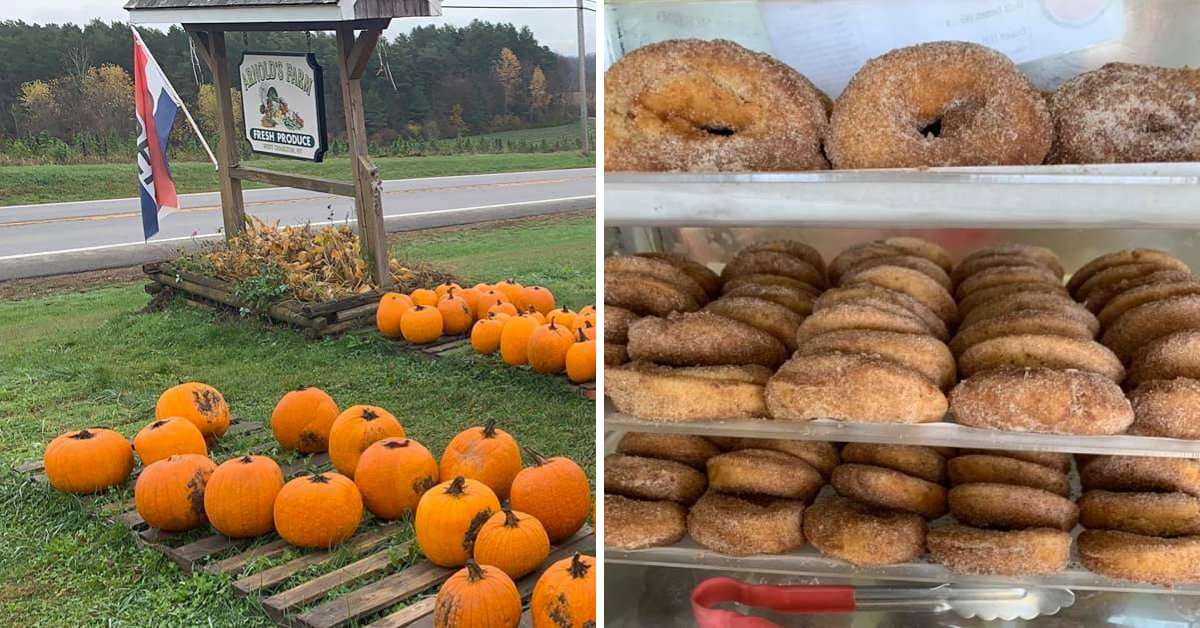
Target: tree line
[65, 90]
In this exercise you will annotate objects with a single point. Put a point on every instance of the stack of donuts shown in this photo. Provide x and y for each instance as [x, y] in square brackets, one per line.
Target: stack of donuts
[648, 485]
[695, 105]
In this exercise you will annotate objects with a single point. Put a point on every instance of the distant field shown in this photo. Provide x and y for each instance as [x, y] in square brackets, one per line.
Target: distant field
[568, 132]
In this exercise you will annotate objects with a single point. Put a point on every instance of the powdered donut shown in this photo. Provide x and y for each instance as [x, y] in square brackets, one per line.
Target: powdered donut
[1150, 321]
[939, 104]
[659, 269]
[762, 472]
[741, 526]
[1030, 350]
[1168, 357]
[974, 551]
[1039, 400]
[858, 316]
[794, 248]
[1039, 322]
[850, 387]
[1117, 258]
[995, 469]
[698, 393]
[767, 279]
[1153, 514]
[1139, 473]
[917, 285]
[917, 461]
[819, 455]
[1124, 112]
[863, 535]
[888, 488]
[885, 299]
[1053, 459]
[987, 505]
[768, 316]
[966, 305]
[682, 448]
[1100, 298]
[921, 247]
[798, 301]
[913, 262]
[1060, 304]
[773, 263]
[637, 524]
[979, 264]
[615, 354]
[697, 271]
[1038, 254]
[924, 354]
[1114, 275]
[702, 339]
[693, 105]
[1141, 295]
[645, 295]
[1167, 407]
[652, 479]
[1000, 275]
[1141, 558]
[616, 323]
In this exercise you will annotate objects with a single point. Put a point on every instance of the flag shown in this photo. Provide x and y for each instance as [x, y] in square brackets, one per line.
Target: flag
[155, 105]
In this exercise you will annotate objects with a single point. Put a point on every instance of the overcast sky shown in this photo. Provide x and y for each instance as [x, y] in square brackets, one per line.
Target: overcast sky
[553, 28]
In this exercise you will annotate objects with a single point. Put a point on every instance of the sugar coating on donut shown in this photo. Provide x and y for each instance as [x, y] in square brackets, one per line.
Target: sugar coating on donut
[850, 387]
[616, 323]
[913, 262]
[771, 317]
[1040, 322]
[1096, 301]
[673, 394]
[1000, 275]
[1007, 506]
[702, 339]
[931, 251]
[888, 488]
[1040, 350]
[819, 455]
[1046, 301]
[862, 534]
[1114, 275]
[744, 525]
[615, 354]
[645, 295]
[1054, 460]
[1116, 258]
[1141, 558]
[925, 354]
[967, 304]
[697, 271]
[708, 106]
[637, 524]
[1039, 254]
[1173, 355]
[1167, 407]
[915, 460]
[659, 269]
[980, 263]
[1041, 400]
[763, 472]
[792, 247]
[972, 468]
[976, 551]
[687, 449]
[1151, 321]
[1141, 473]
[652, 478]
[798, 301]
[884, 299]
[1154, 514]
[1140, 295]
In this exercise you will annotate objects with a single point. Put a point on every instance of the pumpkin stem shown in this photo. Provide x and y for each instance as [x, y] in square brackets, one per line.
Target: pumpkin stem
[369, 414]
[395, 444]
[83, 435]
[157, 424]
[302, 387]
[489, 429]
[474, 571]
[457, 487]
[319, 479]
[510, 519]
[246, 459]
[538, 459]
[579, 332]
[578, 568]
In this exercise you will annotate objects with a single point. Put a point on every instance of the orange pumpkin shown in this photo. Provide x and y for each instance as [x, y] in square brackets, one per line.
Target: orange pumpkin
[514, 340]
[239, 499]
[503, 307]
[587, 327]
[422, 325]
[548, 344]
[477, 596]
[565, 594]
[302, 420]
[581, 359]
[392, 476]
[487, 299]
[449, 516]
[424, 296]
[587, 310]
[483, 287]
[487, 454]
[456, 315]
[318, 510]
[485, 334]
[513, 541]
[535, 315]
[167, 437]
[88, 460]
[556, 492]
[442, 289]
[199, 403]
[354, 430]
[392, 306]
[511, 289]
[536, 297]
[563, 317]
[169, 494]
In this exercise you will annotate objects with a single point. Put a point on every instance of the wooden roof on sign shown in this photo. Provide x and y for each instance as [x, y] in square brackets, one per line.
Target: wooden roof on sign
[279, 14]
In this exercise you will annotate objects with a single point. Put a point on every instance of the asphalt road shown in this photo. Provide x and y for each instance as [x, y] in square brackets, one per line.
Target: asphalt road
[56, 238]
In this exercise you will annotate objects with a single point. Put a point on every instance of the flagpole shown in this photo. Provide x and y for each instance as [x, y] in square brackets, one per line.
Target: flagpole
[179, 101]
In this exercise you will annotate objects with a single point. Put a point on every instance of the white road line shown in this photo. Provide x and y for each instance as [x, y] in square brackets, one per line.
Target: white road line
[209, 236]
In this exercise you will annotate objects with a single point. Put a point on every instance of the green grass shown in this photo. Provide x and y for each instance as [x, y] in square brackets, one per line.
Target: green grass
[567, 132]
[21, 185]
[90, 359]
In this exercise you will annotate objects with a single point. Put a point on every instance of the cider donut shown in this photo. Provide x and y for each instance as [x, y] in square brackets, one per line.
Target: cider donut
[915, 460]
[981, 263]
[1052, 459]
[795, 248]
[1123, 112]
[888, 488]
[1167, 407]
[988, 505]
[1152, 514]
[646, 295]
[1140, 473]
[921, 247]
[798, 301]
[1115, 275]
[924, 354]
[968, 304]
[699, 393]
[616, 323]
[768, 316]
[856, 254]
[768, 262]
[637, 524]
[741, 526]
[1039, 400]
[975, 551]
[699, 273]
[1060, 304]
[615, 354]
[708, 106]
[682, 448]
[858, 316]
[762, 472]
[1039, 255]
[1019, 322]
[1118, 258]
[702, 339]
[1100, 298]
[1000, 275]
[659, 269]
[1039, 350]
[1141, 558]
[1140, 295]
[917, 285]
[863, 535]
[912, 262]
[1145, 323]
[996, 469]
[767, 279]
[850, 387]
[652, 479]
[1171, 356]
[819, 455]
[939, 104]
[874, 295]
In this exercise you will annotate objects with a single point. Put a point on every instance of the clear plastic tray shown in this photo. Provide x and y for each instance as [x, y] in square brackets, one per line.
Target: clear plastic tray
[931, 434]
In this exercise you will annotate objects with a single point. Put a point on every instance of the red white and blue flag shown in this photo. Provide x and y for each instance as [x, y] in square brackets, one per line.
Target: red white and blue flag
[155, 104]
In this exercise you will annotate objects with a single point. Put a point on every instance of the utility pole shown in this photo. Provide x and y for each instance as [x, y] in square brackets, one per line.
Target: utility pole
[583, 105]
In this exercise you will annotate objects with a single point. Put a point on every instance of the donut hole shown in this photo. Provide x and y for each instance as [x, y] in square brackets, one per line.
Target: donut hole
[952, 120]
[700, 107]
[932, 130]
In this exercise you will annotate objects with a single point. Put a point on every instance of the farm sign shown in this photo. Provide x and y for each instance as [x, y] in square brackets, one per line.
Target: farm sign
[283, 104]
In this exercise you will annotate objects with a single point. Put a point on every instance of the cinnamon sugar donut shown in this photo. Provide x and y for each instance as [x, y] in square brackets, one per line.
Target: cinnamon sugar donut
[913, 262]
[1117, 258]
[1153, 514]
[967, 304]
[745, 525]
[987, 505]
[1060, 304]
[697, 271]
[975, 468]
[863, 535]
[682, 448]
[698, 393]
[694, 105]
[797, 301]
[762, 472]
[1042, 350]
[616, 323]
[888, 488]
[1167, 407]
[1150, 321]
[819, 455]
[1143, 294]
[981, 263]
[1040, 322]
[850, 387]
[924, 354]
[702, 339]
[768, 316]
[1000, 275]
[939, 104]
[794, 248]
[974, 551]
[1051, 459]
[1141, 558]
[1141, 473]
[873, 295]
[768, 279]
[637, 524]
[757, 262]
[659, 269]
[1098, 299]
[921, 247]
[1037, 254]
[1041, 400]
[615, 354]
[652, 478]
[1125, 113]
[915, 460]
[1114, 275]
[1168, 357]
[859, 315]
[915, 284]
[646, 295]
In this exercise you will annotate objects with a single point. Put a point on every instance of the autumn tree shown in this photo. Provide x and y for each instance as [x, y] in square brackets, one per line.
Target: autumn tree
[508, 71]
[210, 112]
[456, 121]
[539, 96]
[37, 109]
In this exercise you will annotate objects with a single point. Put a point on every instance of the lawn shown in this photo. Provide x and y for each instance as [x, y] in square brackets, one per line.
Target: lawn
[21, 185]
[90, 358]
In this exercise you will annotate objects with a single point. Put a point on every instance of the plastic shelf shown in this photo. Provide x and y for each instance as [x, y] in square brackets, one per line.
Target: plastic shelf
[943, 434]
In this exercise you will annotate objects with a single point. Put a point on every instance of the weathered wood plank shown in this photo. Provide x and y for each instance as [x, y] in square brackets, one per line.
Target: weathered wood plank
[286, 179]
[267, 578]
[239, 561]
[31, 466]
[334, 307]
[203, 548]
[375, 596]
[233, 207]
[283, 602]
[407, 615]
